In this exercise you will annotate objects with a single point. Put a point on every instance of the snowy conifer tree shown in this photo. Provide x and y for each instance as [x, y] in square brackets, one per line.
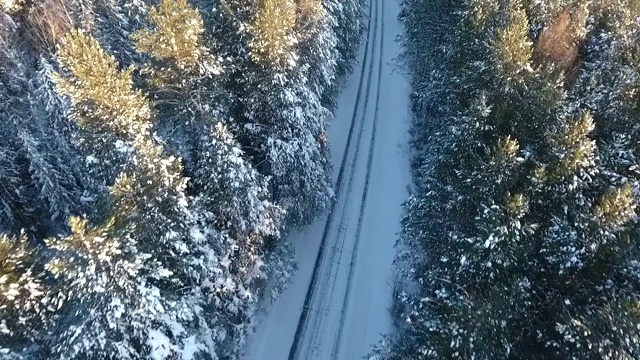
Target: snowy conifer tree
[27, 303]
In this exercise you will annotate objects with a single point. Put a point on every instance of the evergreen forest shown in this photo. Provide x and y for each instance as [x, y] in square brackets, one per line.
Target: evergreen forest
[152, 156]
[521, 237]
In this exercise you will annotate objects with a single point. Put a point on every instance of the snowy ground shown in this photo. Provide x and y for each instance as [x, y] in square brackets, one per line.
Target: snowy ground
[337, 305]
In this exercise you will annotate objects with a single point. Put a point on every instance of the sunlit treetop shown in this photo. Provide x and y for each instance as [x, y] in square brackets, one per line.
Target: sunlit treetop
[273, 38]
[176, 35]
[103, 95]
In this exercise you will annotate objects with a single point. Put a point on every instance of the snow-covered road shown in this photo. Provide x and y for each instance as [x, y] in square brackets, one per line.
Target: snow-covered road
[337, 305]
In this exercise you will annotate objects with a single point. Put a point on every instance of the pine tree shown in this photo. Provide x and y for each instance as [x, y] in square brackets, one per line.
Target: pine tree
[229, 192]
[56, 166]
[511, 44]
[27, 303]
[177, 35]
[183, 77]
[273, 39]
[346, 19]
[99, 90]
[108, 310]
[237, 196]
[149, 211]
[113, 23]
[284, 133]
[45, 170]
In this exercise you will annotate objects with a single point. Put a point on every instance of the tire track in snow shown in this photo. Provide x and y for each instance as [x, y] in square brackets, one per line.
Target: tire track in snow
[354, 255]
[300, 329]
[322, 265]
[330, 267]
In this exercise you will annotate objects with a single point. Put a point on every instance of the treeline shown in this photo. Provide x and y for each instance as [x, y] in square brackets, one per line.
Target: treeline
[151, 154]
[522, 234]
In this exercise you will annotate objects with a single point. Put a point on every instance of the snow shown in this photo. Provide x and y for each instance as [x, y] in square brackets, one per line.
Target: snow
[160, 344]
[348, 303]
[91, 160]
[191, 348]
[117, 308]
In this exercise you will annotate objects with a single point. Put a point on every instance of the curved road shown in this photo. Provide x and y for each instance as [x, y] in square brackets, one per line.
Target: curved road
[337, 305]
